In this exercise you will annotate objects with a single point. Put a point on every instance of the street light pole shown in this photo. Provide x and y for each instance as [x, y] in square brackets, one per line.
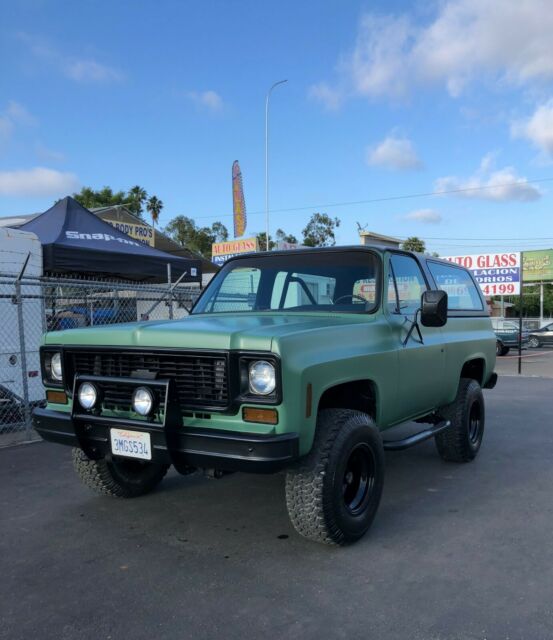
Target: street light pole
[267, 246]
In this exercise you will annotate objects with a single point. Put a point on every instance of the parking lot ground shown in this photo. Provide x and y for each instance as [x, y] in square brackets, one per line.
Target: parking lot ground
[456, 552]
[535, 362]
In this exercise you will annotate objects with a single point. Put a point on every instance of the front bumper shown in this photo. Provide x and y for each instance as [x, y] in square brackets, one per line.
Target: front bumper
[181, 447]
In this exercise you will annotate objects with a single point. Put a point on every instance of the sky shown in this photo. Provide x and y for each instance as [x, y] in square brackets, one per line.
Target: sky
[432, 119]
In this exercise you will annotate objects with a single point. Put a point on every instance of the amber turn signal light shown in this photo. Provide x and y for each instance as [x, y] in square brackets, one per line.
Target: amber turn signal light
[57, 397]
[265, 416]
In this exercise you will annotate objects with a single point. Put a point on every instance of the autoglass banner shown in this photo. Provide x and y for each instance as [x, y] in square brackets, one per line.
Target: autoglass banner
[497, 273]
[222, 251]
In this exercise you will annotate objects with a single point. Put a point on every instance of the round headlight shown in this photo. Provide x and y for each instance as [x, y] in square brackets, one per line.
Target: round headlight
[88, 395]
[262, 378]
[143, 401]
[55, 366]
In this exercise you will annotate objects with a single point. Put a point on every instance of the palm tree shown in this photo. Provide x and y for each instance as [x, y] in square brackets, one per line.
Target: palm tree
[154, 206]
[137, 196]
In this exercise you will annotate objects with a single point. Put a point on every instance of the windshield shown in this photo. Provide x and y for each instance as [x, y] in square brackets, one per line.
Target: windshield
[334, 281]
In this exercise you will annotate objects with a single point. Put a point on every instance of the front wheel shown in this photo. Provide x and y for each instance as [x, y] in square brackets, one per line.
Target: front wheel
[118, 477]
[462, 440]
[533, 342]
[501, 349]
[333, 495]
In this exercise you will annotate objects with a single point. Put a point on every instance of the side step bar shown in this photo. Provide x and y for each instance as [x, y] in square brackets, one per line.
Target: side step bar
[416, 438]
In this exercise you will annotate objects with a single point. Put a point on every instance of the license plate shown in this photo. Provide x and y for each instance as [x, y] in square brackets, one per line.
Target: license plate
[131, 444]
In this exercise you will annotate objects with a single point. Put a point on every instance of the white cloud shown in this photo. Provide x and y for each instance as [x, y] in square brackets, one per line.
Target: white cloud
[330, 98]
[502, 185]
[19, 114]
[209, 100]
[394, 153]
[6, 127]
[14, 115]
[89, 71]
[37, 182]
[76, 68]
[48, 155]
[428, 216]
[464, 41]
[538, 128]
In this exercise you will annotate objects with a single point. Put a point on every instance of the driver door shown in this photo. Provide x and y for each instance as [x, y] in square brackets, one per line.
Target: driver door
[421, 363]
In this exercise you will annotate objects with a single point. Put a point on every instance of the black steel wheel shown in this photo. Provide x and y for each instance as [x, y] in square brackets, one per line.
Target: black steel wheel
[359, 478]
[461, 442]
[333, 494]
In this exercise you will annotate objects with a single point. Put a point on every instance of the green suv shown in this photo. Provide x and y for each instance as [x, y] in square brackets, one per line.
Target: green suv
[298, 361]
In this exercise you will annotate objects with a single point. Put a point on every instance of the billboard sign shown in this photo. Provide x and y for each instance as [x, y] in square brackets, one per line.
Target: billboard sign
[497, 274]
[538, 265]
[141, 232]
[222, 251]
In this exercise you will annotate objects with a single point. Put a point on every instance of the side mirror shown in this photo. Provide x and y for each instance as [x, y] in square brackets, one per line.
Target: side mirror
[434, 308]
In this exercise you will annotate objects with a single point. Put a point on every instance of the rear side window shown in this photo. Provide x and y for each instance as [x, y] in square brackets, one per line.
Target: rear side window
[461, 291]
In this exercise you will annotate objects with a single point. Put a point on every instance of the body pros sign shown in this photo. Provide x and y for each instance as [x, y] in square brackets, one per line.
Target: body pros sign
[222, 251]
[497, 274]
[141, 232]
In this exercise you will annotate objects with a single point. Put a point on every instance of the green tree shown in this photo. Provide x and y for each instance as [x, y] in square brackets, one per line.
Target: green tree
[319, 231]
[154, 206]
[199, 239]
[414, 244]
[219, 232]
[531, 301]
[133, 199]
[282, 236]
[136, 198]
[104, 197]
[262, 241]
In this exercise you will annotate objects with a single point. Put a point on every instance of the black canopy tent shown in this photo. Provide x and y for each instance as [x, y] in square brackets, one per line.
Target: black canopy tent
[75, 241]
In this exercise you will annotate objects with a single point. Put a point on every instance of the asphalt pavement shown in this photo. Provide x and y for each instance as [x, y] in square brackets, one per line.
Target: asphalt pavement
[534, 362]
[456, 552]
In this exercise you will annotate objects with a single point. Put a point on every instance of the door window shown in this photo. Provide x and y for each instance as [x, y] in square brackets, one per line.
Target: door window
[406, 285]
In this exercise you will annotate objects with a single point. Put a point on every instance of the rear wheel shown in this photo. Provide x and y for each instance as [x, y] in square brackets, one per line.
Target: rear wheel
[333, 494]
[118, 477]
[462, 440]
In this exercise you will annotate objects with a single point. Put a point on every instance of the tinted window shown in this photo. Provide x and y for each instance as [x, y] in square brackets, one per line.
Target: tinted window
[340, 281]
[461, 291]
[406, 285]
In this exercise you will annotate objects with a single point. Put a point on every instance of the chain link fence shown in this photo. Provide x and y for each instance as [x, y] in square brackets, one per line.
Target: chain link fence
[29, 307]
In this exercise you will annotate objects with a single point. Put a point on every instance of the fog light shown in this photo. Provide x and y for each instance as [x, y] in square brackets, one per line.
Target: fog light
[143, 401]
[88, 395]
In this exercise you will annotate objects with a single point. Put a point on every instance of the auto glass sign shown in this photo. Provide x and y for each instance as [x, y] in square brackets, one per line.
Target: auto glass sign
[497, 273]
[222, 251]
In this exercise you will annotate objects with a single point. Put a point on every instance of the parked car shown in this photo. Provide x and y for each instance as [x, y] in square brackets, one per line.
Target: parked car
[543, 336]
[506, 332]
[299, 361]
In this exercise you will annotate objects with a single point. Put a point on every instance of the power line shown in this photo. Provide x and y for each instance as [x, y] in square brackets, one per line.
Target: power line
[427, 194]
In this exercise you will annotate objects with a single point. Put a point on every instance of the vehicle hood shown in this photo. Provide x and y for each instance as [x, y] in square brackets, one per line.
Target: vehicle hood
[209, 331]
